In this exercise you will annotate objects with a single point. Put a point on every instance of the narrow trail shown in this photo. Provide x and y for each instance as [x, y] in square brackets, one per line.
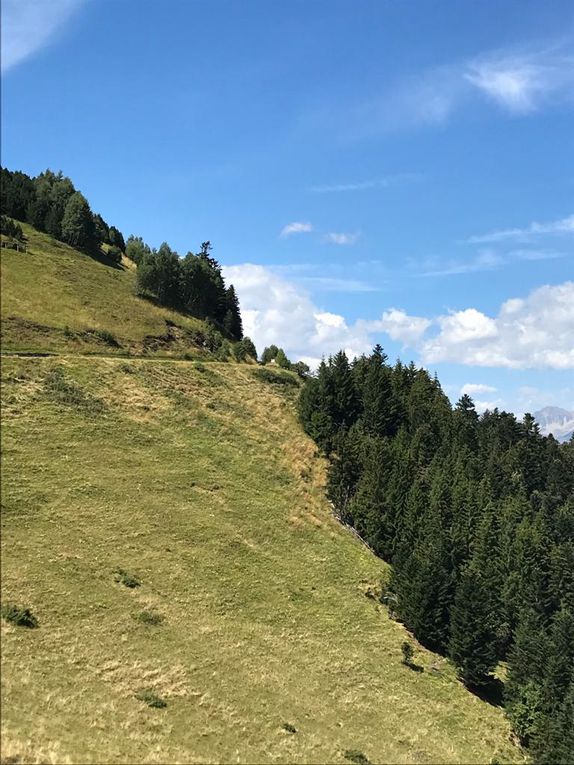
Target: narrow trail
[118, 356]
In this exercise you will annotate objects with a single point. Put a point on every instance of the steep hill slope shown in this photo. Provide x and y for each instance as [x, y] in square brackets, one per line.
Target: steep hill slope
[252, 619]
[55, 298]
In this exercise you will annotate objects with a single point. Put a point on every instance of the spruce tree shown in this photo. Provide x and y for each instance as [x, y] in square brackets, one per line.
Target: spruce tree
[472, 645]
[232, 321]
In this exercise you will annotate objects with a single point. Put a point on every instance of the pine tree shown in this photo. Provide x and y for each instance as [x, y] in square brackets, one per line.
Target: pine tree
[555, 743]
[526, 672]
[380, 414]
[232, 321]
[116, 238]
[281, 359]
[472, 640]
[345, 400]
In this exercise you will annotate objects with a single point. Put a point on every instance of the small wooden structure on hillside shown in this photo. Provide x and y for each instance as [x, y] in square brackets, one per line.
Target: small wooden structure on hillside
[12, 245]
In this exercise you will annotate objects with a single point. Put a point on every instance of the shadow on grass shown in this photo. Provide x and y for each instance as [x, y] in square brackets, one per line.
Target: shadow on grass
[413, 666]
[492, 693]
[94, 252]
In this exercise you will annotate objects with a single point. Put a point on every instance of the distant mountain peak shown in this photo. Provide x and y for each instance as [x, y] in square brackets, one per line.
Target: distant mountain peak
[556, 421]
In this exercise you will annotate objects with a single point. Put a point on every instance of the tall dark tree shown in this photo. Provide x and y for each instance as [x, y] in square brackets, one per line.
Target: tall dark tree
[232, 319]
[116, 238]
[472, 645]
[77, 222]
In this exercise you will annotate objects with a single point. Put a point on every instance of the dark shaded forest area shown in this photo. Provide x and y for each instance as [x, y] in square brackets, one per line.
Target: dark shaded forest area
[476, 516]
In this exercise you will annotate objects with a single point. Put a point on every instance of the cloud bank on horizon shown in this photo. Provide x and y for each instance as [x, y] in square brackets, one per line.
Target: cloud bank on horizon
[534, 331]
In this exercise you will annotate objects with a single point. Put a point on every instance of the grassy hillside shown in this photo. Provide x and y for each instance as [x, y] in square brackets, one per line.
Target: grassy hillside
[55, 298]
[252, 620]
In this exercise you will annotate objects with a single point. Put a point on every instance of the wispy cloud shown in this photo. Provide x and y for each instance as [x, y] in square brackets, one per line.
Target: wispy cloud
[296, 228]
[561, 226]
[485, 260]
[341, 238]
[30, 25]
[521, 83]
[334, 284]
[375, 183]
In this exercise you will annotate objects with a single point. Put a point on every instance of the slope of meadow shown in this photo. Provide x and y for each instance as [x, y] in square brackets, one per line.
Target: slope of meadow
[198, 481]
[56, 298]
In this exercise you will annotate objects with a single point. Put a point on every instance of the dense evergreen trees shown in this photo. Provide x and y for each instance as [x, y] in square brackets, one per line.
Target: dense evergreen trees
[50, 203]
[476, 514]
[193, 284]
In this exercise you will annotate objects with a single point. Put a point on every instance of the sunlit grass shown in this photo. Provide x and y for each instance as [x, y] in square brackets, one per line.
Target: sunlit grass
[198, 483]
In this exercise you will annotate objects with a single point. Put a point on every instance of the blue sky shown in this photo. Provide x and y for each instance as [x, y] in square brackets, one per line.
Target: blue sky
[388, 171]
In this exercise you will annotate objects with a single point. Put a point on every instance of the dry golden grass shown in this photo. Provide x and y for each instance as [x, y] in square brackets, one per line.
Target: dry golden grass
[199, 481]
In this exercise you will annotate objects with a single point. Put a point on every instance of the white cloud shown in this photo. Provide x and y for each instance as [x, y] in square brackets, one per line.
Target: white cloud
[518, 81]
[277, 311]
[341, 238]
[296, 228]
[521, 83]
[471, 389]
[482, 405]
[30, 25]
[400, 326]
[536, 331]
[463, 326]
[562, 226]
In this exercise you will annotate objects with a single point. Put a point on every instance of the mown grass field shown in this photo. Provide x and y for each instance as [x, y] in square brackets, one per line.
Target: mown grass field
[55, 298]
[198, 481]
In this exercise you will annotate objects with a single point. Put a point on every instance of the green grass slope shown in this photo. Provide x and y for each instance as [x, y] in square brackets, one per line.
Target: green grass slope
[251, 622]
[55, 298]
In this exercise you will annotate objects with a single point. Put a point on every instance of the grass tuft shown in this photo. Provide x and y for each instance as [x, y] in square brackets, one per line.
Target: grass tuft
[18, 615]
[149, 617]
[149, 697]
[357, 757]
[128, 580]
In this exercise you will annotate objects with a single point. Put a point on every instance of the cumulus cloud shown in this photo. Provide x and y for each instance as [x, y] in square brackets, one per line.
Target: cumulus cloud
[341, 238]
[296, 228]
[30, 25]
[399, 326]
[471, 389]
[562, 226]
[535, 331]
[277, 311]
